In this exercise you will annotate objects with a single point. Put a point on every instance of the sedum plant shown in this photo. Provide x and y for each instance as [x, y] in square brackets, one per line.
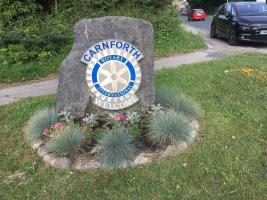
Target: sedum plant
[65, 116]
[66, 141]
[178, 102]
[169, 127]
[155, 109]
[40, 122]
[116, 148]
[133, 118]
[91, 120]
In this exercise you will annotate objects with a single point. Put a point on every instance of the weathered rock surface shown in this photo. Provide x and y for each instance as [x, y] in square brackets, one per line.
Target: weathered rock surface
[62, 162]
[173, 150]
[73, 92]
[37, 144]
[194, 124]
[81, 165]
[42, 151]
[49, 159]
[142, 158]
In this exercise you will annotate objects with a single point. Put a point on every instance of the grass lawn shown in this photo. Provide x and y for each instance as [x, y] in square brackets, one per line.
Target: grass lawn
[228, 161]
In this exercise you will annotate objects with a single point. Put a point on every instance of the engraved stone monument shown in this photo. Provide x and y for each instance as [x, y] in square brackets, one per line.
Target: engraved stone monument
[110, 67]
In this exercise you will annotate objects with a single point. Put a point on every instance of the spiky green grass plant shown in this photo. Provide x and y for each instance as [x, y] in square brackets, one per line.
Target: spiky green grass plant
[39, 122]
[178, 102]
[66, 141]
[169, 127]
[186, 106]
[116, 149]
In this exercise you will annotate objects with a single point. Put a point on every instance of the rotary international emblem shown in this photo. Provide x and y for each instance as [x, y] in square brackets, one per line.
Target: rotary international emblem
[113, 74]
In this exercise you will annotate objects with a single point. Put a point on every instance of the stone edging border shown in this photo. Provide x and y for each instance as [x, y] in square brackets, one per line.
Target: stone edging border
[141, 159]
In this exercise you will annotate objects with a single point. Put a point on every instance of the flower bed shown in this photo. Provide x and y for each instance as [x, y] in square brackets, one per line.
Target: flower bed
[118, 141]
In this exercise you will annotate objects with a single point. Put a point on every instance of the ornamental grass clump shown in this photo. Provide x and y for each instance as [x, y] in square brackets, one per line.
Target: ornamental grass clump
[66, 141]
[117, 148]
[169, 127]
[177, 102]
[41, 121]
[165, 96]
[186, 106]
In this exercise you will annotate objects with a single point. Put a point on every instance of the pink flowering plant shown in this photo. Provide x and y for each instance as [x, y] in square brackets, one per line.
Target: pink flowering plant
[129, 122]
[54, 128]
[46, 132]
[117, 120]
[57, 126]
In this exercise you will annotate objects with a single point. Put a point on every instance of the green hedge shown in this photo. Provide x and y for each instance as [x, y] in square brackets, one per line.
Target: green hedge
[34, 39]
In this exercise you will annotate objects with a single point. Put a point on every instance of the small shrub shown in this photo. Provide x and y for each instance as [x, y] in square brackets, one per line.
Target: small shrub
[66, 141]
[168, 128]
[91, 120]
[42, 120]
[135, 131]
[133, 118]
[155, 109]
[177, 102]
[116, 148]
[65, 116]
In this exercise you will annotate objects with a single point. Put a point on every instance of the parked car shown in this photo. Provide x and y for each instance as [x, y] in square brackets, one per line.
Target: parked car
[196, 14]
[240, 21]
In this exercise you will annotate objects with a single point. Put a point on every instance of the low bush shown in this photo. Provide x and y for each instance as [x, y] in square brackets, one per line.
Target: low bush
[66, 141]
[39, 122]
[168, 128]
[39, 42]
[116, 148]
[34, 43]
[177, 102]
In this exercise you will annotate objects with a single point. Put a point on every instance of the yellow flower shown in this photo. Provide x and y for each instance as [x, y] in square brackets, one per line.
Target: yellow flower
[247, 71]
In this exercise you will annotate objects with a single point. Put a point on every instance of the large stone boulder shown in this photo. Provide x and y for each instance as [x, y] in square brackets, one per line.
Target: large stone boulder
[73, 92]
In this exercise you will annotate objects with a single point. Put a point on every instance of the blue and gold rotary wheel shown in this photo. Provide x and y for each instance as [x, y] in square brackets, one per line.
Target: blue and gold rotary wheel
[113, 77]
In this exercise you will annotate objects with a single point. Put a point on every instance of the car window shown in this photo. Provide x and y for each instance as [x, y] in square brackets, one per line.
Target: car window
[264, 9]
[221, 10]
[252, 9]
[198, 11]
[228, 8]
[234, 13]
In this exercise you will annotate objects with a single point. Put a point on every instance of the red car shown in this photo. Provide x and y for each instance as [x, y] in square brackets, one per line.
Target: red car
[196, 14]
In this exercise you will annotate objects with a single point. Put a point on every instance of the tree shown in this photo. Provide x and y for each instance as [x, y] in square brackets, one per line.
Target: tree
[48, 5]
[208, 5]
[11, 11]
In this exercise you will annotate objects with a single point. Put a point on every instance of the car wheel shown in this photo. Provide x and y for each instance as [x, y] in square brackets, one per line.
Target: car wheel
[233, 37]
[213, 31]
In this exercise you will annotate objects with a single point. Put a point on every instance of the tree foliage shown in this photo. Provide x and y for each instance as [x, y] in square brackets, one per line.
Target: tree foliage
[208, 5]
[15, 10]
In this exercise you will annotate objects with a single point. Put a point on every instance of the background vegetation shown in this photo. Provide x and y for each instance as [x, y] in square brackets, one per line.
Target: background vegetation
[35, 35]
[228, 161]
[210, 5]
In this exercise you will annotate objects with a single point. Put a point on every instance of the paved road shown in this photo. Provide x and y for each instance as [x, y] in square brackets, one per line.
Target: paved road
[199, 25]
